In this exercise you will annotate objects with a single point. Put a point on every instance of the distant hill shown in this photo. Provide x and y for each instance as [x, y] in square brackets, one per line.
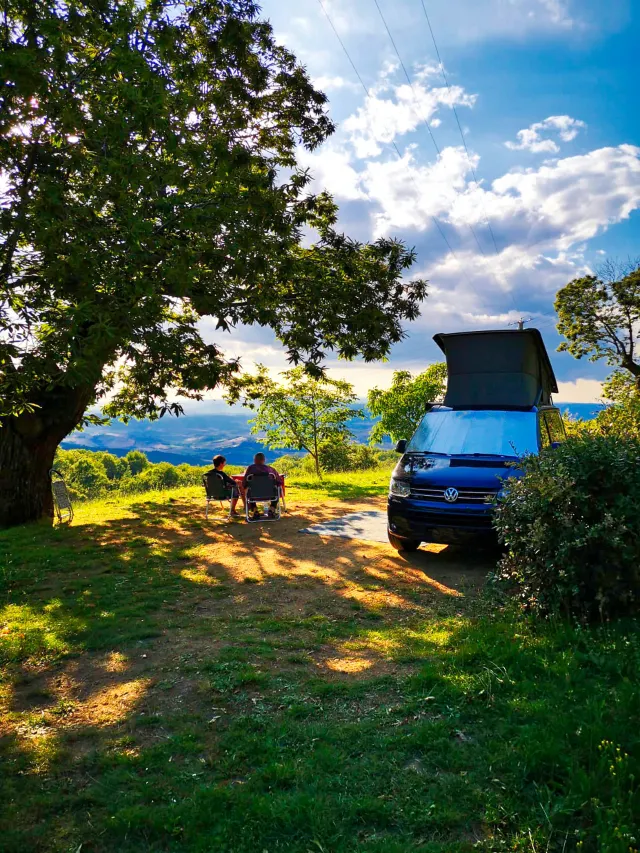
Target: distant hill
[196, 438]
[193, 438]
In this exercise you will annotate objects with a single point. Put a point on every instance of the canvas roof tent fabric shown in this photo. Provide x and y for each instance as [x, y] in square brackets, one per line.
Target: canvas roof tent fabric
[501, 369]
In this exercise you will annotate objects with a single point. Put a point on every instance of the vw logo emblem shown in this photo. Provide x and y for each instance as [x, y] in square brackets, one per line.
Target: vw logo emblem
[451, 495]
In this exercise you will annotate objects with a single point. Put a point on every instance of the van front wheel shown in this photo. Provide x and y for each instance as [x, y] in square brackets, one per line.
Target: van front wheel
[401, 544]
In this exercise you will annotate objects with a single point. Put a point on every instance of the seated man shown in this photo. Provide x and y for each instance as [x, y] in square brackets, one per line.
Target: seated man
[218, 464]
[260, 467]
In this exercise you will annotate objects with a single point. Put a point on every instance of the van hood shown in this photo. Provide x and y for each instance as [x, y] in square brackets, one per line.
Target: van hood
[472, 473]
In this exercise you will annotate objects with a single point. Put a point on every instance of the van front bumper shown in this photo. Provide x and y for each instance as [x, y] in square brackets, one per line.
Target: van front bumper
[424, 520]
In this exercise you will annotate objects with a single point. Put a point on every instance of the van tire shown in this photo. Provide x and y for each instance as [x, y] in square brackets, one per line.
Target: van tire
[401, 544]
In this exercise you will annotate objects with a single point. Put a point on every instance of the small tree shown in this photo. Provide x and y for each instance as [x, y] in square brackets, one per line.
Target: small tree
[305, 412]
[403, 405]
[599, 315]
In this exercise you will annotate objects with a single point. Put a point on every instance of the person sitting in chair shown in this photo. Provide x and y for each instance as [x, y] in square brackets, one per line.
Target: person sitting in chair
[218, 464]
[259, 466]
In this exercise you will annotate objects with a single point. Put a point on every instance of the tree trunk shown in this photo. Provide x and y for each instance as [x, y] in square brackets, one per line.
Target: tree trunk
[27, 446]
[25, 485]
[634, 370]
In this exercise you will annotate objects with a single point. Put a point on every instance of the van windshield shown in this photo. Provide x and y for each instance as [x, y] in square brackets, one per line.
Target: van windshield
[484, 433]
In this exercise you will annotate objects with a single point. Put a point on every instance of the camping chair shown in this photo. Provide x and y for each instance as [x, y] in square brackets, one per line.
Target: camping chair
[264, 488]
[217, 490]
[61, 498]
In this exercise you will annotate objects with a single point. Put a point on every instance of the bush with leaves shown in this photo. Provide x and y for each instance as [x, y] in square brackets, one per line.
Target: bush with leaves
[571, 526]
[83, 472]
[136, 461]
[342, 456]
[622, 414]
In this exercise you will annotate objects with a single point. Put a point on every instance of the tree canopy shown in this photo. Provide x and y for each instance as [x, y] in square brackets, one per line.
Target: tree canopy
[402, 406]
[600, 317]
[149, 180]
[302, 413]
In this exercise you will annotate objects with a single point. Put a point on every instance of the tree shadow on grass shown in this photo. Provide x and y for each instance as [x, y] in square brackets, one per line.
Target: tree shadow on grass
[190, 686]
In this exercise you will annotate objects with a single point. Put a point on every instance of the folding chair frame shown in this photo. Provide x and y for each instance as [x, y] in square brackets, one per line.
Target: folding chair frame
[61, 497]
[209, 498]
[278, 497]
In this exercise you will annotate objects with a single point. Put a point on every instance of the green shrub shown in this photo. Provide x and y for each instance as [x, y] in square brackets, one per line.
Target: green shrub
[114, 467]
[87, 478]
[288, 463]
[571, 526]
[137, 461]
[337, 457]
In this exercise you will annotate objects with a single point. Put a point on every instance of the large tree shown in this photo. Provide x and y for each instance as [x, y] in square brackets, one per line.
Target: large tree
[149, 179]
[302, 412]
[599, 315]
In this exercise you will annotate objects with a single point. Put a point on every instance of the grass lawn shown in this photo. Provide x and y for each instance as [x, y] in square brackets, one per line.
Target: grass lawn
[169, 684]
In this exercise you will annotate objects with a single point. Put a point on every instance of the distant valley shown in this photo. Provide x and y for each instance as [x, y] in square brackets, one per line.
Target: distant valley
[195, 438]
[192, 438]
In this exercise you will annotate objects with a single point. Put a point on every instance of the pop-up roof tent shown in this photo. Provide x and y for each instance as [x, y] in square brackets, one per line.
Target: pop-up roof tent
[502, 369]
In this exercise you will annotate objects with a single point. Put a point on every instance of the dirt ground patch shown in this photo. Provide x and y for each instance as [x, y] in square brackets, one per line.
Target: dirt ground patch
[268, 597]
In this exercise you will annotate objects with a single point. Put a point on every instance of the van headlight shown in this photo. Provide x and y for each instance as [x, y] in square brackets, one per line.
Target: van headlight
[399, 488]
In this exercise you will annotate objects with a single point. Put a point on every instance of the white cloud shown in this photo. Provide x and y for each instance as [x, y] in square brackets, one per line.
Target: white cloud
[408, 194]
[537, 138]
[557, 12]
[329, 83]
[381, 119]
[332, 170]
[570, 200]
[473, 21]
[557, 205]
[580, 391]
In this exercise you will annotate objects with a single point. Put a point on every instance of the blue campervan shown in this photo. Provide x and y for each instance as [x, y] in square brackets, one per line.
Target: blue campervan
[497, 407]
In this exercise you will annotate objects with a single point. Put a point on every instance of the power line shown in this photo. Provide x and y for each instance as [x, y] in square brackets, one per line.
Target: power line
[368, 94]
[406, 73]
[394, 145]
[455, 112]
[462, 136]
[343, 46]
[424, 121]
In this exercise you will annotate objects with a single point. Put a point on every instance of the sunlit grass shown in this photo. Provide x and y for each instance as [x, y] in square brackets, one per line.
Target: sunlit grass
[28, 633]
[343, 486]
[160, 692]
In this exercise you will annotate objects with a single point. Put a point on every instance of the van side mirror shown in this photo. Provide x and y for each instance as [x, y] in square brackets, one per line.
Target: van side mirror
[401, 446]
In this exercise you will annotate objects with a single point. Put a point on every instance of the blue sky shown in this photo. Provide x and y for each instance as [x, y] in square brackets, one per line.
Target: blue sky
[546, 93]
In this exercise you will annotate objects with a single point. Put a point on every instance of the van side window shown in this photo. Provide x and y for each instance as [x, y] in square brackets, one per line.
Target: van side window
[551, 427]
[544, 432]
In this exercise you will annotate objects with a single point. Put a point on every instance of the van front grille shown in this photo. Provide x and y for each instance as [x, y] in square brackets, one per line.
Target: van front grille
[481, 463]
[436, 493]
